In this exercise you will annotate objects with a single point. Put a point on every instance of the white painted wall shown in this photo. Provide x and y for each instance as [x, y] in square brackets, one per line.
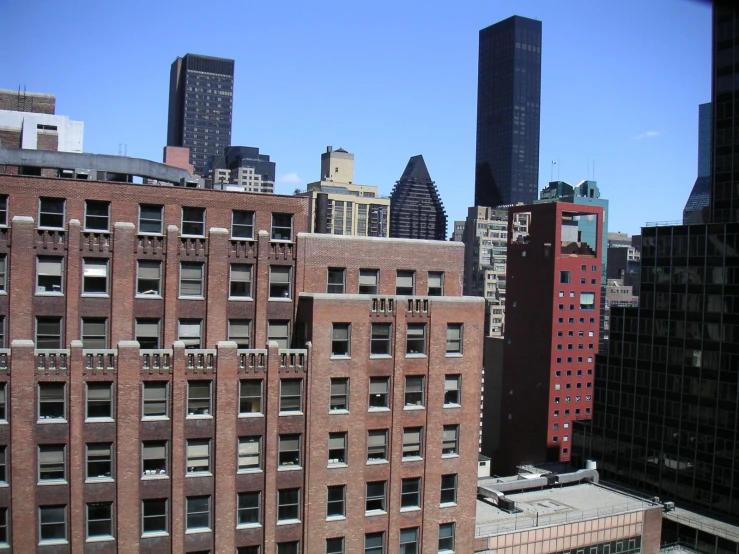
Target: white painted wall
[69, 132]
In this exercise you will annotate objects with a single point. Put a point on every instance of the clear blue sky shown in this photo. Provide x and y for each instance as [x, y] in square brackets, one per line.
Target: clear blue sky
[621, 84]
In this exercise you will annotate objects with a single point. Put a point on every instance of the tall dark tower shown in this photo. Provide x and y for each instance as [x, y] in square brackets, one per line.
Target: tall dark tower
[508, 105]
[200, 106]
[416, 211]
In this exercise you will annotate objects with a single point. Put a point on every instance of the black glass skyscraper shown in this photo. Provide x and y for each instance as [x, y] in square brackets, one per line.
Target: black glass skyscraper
[416, 211]
[200, 106]
[508, 105]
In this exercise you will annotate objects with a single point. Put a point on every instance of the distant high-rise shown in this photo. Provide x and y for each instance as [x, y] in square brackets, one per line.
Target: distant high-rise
[700, 195]
[200, 106]
[508, 104]
[416, 211]
[242, 166]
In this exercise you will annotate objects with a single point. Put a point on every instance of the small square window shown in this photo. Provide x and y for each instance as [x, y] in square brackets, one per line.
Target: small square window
[282, 226]
[154, 458]
[288, 505]
[193, 221]
[369, 281]
[250, 453]
[337, 443]
[336, 280]
[376, 496]
[414, 391]
[561, 294]
[452, 390]
[335, 545]
[240, 281]
[250, 396]
[450, 440]
[436, 283]
[198, 513]
[51, 213]
[198, 398]
[279, 281]
[49, 272]
[454, 338]
[248, 510]
[416, 339]
[52, 523]
[150, 219]
[52, 462]
[154, 516]
[379, 392]
[448, 489]
[564, 277]
[99, 400]
[412, 442]
[100, 520]
[289, 451]
[410, 495]
[341, 340]
[339, 394]
[405, 283]
[377, 445]
[239, 331]
[242, 224]
[149, 278]
[336, 501]
[99, 460]
[51, 401]
[192, 279]
[190, 332]
[291, 395]
[97, 215]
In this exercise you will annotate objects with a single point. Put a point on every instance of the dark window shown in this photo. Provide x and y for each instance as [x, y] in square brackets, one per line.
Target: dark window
[376, 492]
[193, 221]
[99, 400]
[100, 519]
[335, 545]
[380, 341]
[289, 451]
[292, 547]
[564, 277]
[410, 495]
[449, 489]
[198, 512]
[288, 504]
[242, 225]
[95, 333]
[154, 516]
[248, 508]
[446, 537]
[369, 281]
[51, 213]
[97, 215]
[150, 219]
[374, 543]
[250, 396]
[378, 392]
[52, 523]
[336, 280]
[409, 541]
[335, 504]
[282, 226]
[240, 285]
[339, 394]
[99, 460]
[340, 339]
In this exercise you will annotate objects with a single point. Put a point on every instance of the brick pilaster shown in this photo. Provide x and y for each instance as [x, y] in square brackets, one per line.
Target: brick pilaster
[272, 388]
[22, 279]
[123, 282]
[171, 290]
[76, 448]
[177, 446]
[260, 286]
[72, 282]
[216, 297]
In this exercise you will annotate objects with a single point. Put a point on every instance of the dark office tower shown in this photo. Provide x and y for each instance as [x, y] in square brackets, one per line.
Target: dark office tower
[200, 106]
[416, 211]
[508, 98]
[696, 208]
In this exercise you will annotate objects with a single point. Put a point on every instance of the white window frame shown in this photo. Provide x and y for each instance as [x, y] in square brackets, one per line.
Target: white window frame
[195, 411]
[185, 277]
[106, 229]
[154, 444]
[452, 383]
[42, 212]
[192, 222]
[149, 266]
[189, 326]
[41, 387]
[279, 236]
[235, 225]
[243, 268]
[98, 446]
[246, 452]
[147, 219]
[194, 449]
[48, 261]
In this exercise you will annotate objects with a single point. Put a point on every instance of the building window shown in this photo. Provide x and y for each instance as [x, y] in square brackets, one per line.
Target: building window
[451, 390]
[100, 520]
[147, 333]
[379, 393]
[51, 462]
[380, 341]
[340, 340]
[288, 505]
[337, 448]
[52, 401]
[190, 332]
[239, 331]
[446, 537]
[149, 278]
[339, 394]
[410, 495]
[448, 489]
[51, 213]
[450, 440]
[4, 210]
[336, 280]
[249, 549]
[405, 283]
[198, 456]
[150, 219]
[376, 493]
[3, 272]
[377, 445]
[94, 333]
[408, 541]
[292, 547]
[250, 396]
[279, 281]
[416, 339]
[436, 283]
[240, 284]
[249, 504]
[335, 545]
[454, 338]
[3, 466]
[193, 221]
[97, 215]
[412, 447]
[587, 300]
[369, 281]
[95, 276]
[564, 277]
[414, 390]
[250, 453]
[99, 400]
[3, 400]
[198, 513]
[291, 395]
[155, 399]
[154, 458]
[191, 279]
[279, 332]
[198, 398]
[289, 451]
[99, 460]
[335, 505]
[49, 271]
[242, 224]
[52, 523]
[374, 543]
[282, 226]
[154, 516]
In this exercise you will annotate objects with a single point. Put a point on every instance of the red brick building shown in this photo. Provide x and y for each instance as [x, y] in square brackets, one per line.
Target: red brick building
[190, 371]
[551, 332]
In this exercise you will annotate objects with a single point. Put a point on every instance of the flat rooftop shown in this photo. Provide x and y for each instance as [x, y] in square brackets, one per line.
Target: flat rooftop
[553, 506]
[698, 521]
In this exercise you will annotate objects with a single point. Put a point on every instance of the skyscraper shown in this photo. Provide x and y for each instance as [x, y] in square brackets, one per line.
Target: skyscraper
[508, 104]
[700, 195]
[416, 211]
[200, 106]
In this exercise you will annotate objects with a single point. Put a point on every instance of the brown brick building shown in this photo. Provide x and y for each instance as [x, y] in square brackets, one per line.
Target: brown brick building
[189, 371]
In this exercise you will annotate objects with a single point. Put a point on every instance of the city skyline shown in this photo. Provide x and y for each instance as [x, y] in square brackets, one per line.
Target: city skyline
[628, 105]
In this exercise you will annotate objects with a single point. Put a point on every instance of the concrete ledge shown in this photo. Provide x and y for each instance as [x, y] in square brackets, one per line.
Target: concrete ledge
[23, 219]
[218, 231]
[22, 343]
[124, 225]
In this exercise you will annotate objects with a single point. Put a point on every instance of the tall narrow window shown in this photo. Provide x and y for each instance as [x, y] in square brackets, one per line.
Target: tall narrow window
[49, 271]
[3, 210]
[381, 339]
[288, 504]
[97, 215]
[150, 219]
[247, 512]
[416, 338]
[436, 283]
[99, 460]
[3, 272]
[242, 225]
[339, 394]
[3, 400]
[250, 453]
[198, 398]
[336, 503]
[154, 516]
[94, 276]
[291, 395]
[454, 338]
[451, 390]
[408, 541]
[446, 537]
[51, 401]
[336, 280]
[337, 443]
[289, 451]
[250, 396]
[147, 333]
[374, 543]
[450, 443]
[149, 278]
[340, 340]
[239, 331]
[191, 279]
[193, 221]
[375, 497]
[377, 445]
[240, 285]
[448, 489]
[3, 465]
[198, 513]
[282, 226]
[414, 391]
[379, 393]
[279, 281]
[51, 213]
[405, 283]
[52, 523]
[369, 281]
[94, 333]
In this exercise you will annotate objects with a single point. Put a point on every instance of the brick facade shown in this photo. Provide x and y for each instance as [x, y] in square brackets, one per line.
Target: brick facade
[220, 366]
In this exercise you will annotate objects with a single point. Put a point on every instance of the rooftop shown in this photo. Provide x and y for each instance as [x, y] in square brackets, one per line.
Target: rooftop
[709, 524]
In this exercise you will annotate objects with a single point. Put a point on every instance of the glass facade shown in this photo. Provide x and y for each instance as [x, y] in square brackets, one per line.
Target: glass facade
[508, 107]
[416, 210]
